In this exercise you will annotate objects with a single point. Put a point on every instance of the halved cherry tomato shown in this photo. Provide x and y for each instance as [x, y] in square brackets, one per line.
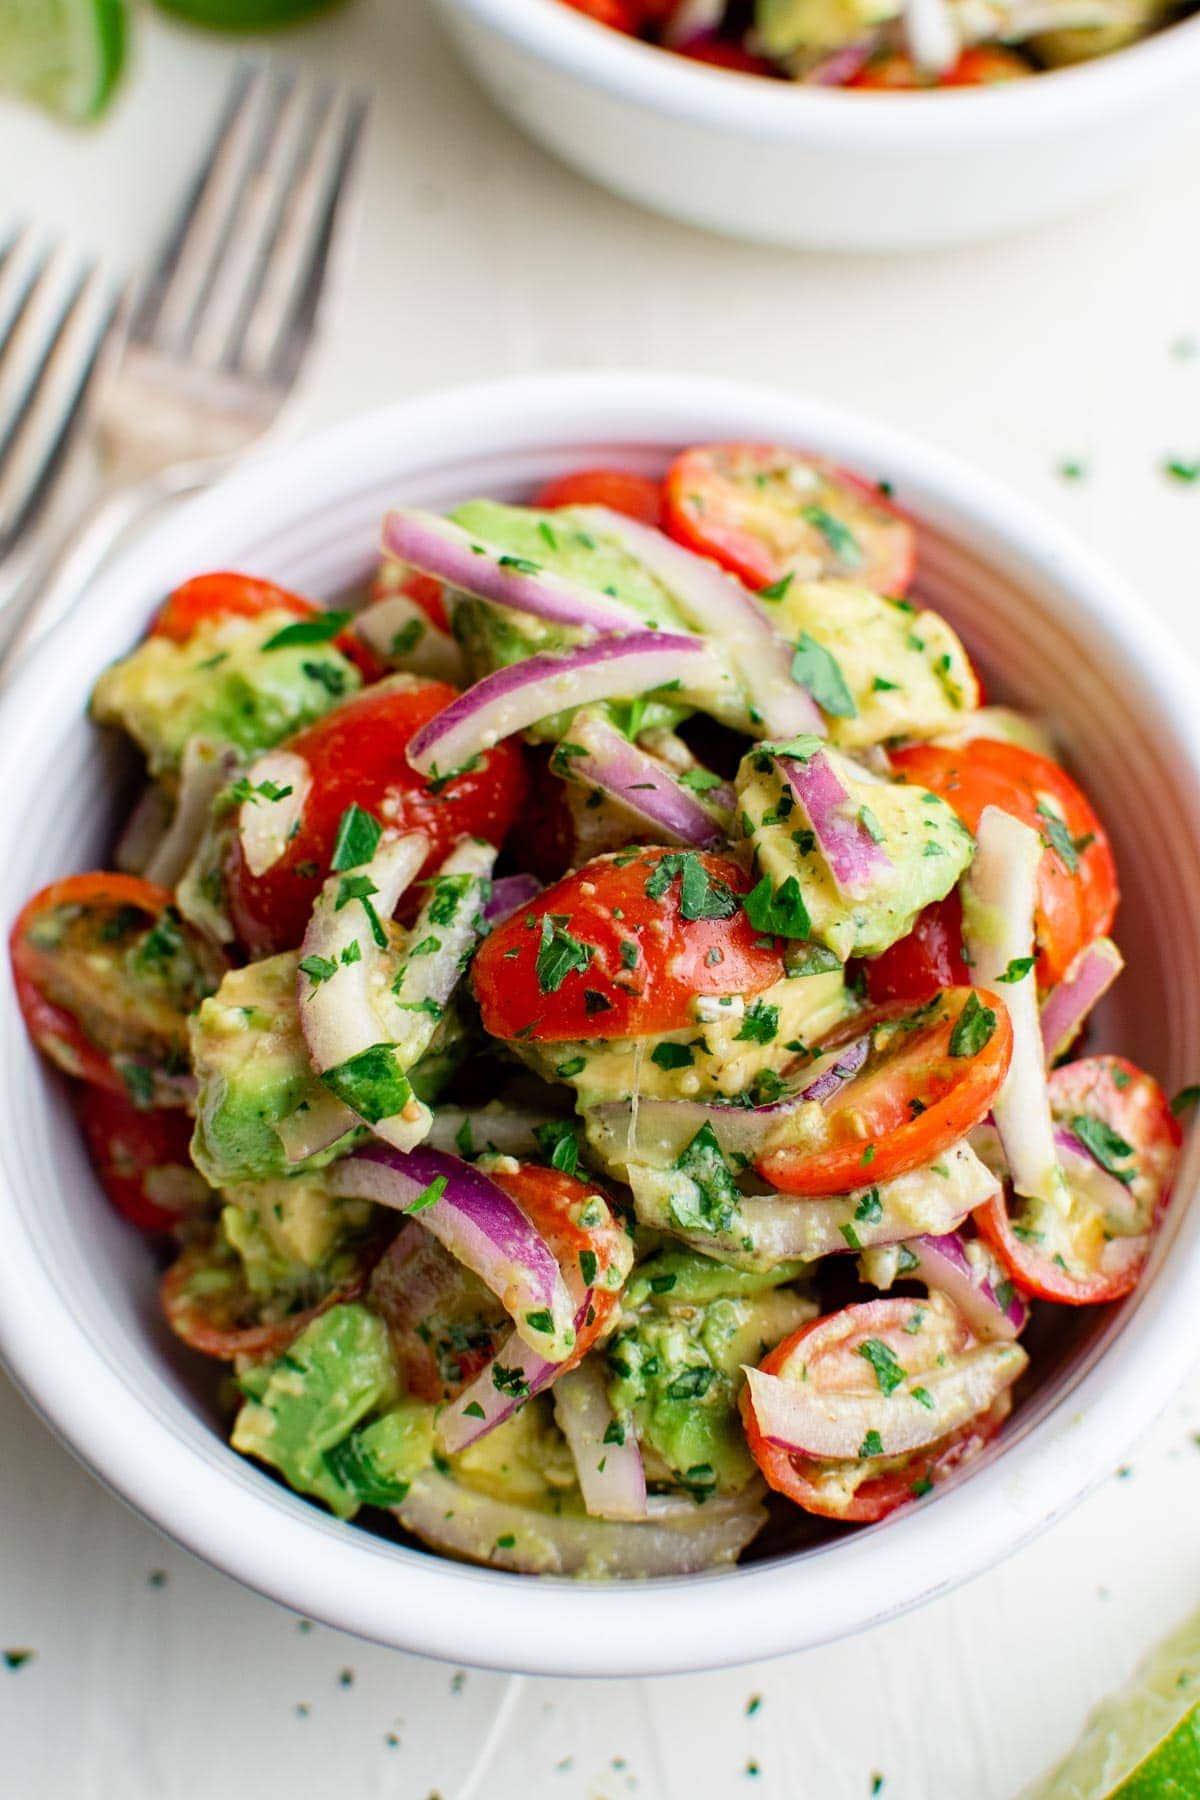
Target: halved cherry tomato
[618, 489]
[622, 948]
[976, 67]
[1077, 881]
[767, 513]
[1086, 1260]
[923, 1086]
[831, 1348]
[208, 1304]
[106, 973]
[725, 53]
[228, 595]
[142, 1159]
[445, 1325]
[358, 755]
[556, 1203]
[929, 958]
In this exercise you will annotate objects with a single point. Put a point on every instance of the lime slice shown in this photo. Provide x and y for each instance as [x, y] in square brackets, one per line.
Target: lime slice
[243, 15]
[1142, 1743]
[64, 55]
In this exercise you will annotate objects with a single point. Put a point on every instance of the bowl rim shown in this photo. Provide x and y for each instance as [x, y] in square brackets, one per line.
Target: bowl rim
[1056, 103]
[225, 1510]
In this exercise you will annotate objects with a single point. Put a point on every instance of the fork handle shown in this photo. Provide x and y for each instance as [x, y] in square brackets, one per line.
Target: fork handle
[90, 542]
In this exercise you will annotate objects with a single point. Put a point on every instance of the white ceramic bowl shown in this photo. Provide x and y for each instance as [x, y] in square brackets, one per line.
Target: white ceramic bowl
[824, 168]
[79, 1324]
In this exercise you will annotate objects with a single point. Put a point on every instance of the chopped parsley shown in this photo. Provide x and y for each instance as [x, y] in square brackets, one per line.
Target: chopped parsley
[558, 1141]
[700, 781]
[814, 668]
[318, 630]
[559, 954]
[872, 1445]
[373, 1085]
[778, 911]
[1017, 969]
[672, 1056]
[973, 1029]
[777, 590]
[710, 1202]
[361, 888]
[1107, 1146]
[760, 1025]
[357, 839]
[888, 1371]
[840, 539]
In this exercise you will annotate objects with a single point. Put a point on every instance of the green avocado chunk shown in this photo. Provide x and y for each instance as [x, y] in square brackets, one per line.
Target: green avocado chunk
[677, 1364]
[225, 684]
[924, 848]
[309, 1414]
[253, 1071]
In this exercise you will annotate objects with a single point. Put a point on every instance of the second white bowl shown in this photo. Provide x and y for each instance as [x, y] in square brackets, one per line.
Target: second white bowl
[824, 168]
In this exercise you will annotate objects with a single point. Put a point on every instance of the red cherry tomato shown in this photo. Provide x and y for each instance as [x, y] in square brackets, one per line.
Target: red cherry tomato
[830, 1349]
[1092, 1257]
[611, 952]
[929, 958]
[767, 513]
[1077, 881]
[105, 973]
[554, 1202]
[358, 755]
[920, 1090]
[978, 67]
[227, 595]
[142, 1158]
[621, 15]
[724, 53]
[635, 495]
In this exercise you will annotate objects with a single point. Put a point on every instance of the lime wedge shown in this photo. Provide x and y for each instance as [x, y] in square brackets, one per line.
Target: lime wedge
[64, 55]
[244, 15]
[1142, 1743]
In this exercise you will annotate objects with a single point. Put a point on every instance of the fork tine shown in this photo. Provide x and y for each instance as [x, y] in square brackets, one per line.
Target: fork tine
[277, 339]
[60, 443]
[252, 228]
[26, 283]
[43, 422]
[183, 267]
[59, 333]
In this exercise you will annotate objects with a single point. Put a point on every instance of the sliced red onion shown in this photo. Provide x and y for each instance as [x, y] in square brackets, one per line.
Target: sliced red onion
[841, 65]
[396, 627]
[775, 1228]
[512, 699]
[340, 1012]
[506, 1130]
[1066, 1006]
[976, 1284]
[718, 604]
[479, 1224]
[437, 949]
[640, 782]
[515, 1374]
[677, 1537]
[856, 862]
[509, 895]
[999, 896]
[797, 1415]
[438, 546]
[270, 816]
[206, 768]
[654, 1126]
[612, 1476]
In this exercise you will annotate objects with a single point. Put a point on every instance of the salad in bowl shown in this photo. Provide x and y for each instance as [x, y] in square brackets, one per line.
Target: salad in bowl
[891, 46]
[596, 1029]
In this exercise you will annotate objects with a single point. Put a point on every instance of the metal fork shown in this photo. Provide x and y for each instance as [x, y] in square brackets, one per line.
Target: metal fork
[225, 320]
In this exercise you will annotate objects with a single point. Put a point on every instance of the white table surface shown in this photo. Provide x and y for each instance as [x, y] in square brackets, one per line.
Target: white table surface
[154, 1678]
